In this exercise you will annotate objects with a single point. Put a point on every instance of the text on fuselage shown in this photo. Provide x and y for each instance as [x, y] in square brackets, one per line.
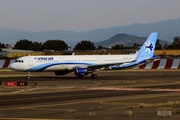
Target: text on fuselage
[44, 58]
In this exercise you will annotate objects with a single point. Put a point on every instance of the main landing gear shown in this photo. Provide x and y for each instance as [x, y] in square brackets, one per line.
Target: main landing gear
[94, 75]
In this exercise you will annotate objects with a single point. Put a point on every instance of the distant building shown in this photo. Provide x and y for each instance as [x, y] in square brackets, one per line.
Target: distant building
[14, 50]
[4, 51]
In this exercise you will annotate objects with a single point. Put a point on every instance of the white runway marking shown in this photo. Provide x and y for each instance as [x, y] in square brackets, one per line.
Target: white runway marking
[136, 89]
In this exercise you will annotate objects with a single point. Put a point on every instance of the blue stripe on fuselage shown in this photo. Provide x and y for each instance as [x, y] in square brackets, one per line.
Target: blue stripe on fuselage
[42, 67]
[128, 65]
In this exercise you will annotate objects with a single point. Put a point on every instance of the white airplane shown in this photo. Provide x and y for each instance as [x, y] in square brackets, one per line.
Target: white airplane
[83, 65]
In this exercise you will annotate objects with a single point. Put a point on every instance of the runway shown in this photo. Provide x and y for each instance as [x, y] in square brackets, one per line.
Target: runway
[66, 97]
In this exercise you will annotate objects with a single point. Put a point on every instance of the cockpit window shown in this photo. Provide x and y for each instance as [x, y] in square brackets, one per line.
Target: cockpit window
[20, 61]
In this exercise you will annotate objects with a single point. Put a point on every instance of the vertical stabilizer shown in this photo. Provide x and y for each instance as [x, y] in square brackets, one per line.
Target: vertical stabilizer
[147, 49]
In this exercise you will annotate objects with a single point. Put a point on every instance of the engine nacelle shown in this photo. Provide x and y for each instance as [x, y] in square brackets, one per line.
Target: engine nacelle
[60, 72]
[81, 71]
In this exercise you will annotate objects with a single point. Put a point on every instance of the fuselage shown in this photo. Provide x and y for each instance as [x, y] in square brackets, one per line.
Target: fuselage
[66, 62]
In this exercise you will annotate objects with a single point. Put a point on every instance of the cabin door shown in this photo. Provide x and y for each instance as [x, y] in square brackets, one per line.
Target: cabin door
[61, 60]
[99, 60]
[30, 61]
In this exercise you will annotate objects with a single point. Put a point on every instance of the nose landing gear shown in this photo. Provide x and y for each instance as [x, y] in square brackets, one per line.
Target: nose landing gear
[28, 75]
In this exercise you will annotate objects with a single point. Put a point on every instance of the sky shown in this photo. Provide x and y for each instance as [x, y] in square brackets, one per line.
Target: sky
[83, 15]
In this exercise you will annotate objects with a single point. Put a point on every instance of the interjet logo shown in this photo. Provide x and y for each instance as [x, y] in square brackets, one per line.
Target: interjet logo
[43, 58]
[149, 46]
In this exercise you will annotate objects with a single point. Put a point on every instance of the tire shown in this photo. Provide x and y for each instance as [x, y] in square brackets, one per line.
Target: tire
[80, 76]
[94, 76]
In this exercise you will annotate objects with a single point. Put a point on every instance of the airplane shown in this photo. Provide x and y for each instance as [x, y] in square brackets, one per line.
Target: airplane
[83, 65]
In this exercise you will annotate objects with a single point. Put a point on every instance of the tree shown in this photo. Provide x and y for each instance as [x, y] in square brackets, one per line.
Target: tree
[136, 46]
[100, 47]
[85, 45]
[54, 45]
[37, 46]
[158, 45]
[117, 47]
[165, 46]
[175, 44]
[24, 45]
[2, 45]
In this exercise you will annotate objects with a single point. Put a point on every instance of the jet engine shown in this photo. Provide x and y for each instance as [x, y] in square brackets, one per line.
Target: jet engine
[80, 72]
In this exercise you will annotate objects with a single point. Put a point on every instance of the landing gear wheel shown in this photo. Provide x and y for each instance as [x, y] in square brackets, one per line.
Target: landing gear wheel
[80, 76]
[28, 75]
[94, 76]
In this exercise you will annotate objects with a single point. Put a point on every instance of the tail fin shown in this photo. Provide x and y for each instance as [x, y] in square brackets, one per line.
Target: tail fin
[147, 49]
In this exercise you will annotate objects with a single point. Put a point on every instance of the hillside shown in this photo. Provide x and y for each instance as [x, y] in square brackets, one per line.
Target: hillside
[167, 30]
[125, 39]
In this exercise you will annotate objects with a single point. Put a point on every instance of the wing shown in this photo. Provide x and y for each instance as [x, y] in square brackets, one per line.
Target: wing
[107, 65]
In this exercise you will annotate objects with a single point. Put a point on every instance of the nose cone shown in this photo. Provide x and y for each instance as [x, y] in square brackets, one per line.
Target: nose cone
[13, 66]
[17, 66]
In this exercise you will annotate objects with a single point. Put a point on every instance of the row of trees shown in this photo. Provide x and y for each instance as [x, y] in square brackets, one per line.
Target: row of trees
[55, 45]
[58, 45]
[36, 46]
